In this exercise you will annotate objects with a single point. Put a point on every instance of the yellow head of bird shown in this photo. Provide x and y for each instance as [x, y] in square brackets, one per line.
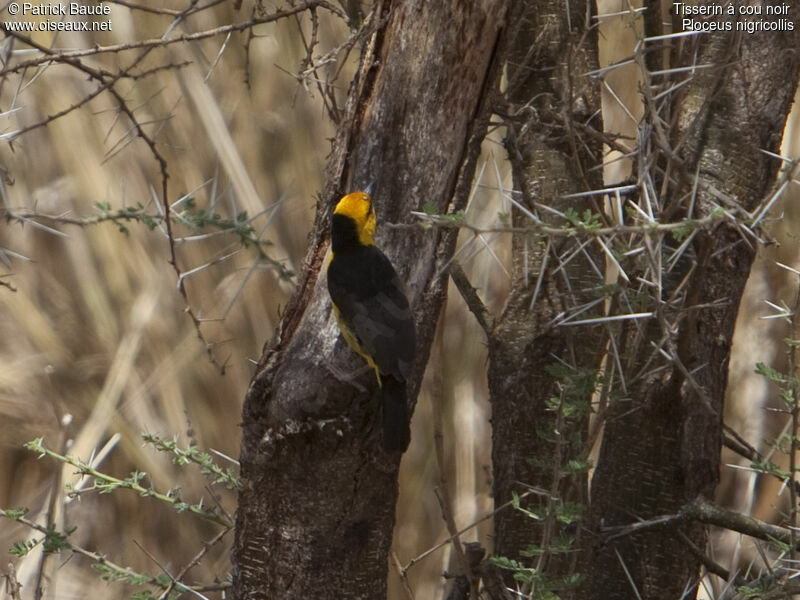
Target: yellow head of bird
[358, 206]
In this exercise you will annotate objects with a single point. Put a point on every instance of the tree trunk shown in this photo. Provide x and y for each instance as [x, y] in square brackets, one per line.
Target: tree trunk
[316, 518]
[662, 417]
[549, 99]
[661, 448]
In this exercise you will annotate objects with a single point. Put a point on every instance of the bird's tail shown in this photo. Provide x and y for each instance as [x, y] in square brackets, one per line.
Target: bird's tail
[394, 401]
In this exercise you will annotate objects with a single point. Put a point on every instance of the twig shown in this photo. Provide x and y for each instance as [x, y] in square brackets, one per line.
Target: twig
[541, 229]
[703, 511]
[99, 559]
[173, 581]
[13, 586]
[52, 55]
[710, 565]
[463, 530]
[734, 441]
[471, 298]
[107, 482]
[103, 78]
[403, 575]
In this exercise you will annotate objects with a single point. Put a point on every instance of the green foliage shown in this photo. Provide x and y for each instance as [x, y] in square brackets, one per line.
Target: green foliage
[137, 213]
[56, 541]
[517, 504]
[202, 221]
[684, 229]
[148, 595]
[193, 455]
[772, 375]
[575, 466]
[53, 541]
[556, 514]
[788, 386]
[430, 209]
[787, 443]
[104, 484]
[759, 587]
[577, 387]
[588, 221]
[434, 218]
[578, 383]
[779, 547]
[769, 467]
[507, 563]
[568, 512]
[543, 586]
[619, 250]
[112, 573]
[21, 548]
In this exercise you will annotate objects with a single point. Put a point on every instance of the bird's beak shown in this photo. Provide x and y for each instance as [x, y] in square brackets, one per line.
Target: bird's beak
[370, 188]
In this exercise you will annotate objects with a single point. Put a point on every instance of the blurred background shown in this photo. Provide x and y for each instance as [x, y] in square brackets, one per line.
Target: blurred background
[96, 346]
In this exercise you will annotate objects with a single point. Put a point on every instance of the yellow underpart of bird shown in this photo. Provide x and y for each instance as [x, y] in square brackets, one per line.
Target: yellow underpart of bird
[372, 310]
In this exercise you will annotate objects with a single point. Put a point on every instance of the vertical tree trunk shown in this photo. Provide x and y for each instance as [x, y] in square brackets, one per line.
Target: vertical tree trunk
[661, 448]
[551, 103]
[316, 517]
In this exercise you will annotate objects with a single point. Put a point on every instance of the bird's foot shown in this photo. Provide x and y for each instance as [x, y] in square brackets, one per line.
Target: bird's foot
[348, 376]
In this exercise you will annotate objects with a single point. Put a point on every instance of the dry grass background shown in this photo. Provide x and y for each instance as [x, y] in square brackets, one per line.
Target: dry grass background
[96, 327]
[95, 347]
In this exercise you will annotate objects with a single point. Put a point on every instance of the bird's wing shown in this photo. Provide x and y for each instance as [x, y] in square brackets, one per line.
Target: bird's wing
[371, 301]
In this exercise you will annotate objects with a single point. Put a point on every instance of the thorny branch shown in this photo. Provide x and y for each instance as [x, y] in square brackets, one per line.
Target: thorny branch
[64, 55]
[119, 571]
[703, 511]
[107, 81]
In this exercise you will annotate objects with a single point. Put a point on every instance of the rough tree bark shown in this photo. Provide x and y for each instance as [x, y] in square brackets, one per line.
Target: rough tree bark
[662, 440]
[551, 108]
[661, 449]
[316, 517]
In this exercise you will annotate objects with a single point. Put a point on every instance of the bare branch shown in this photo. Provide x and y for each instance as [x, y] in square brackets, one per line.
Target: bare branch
[64, 55]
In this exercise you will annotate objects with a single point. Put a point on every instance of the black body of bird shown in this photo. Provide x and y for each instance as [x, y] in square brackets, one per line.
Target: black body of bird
[372, 310]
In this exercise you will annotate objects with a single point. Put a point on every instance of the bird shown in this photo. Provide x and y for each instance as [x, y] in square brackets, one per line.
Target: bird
[372, 310]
